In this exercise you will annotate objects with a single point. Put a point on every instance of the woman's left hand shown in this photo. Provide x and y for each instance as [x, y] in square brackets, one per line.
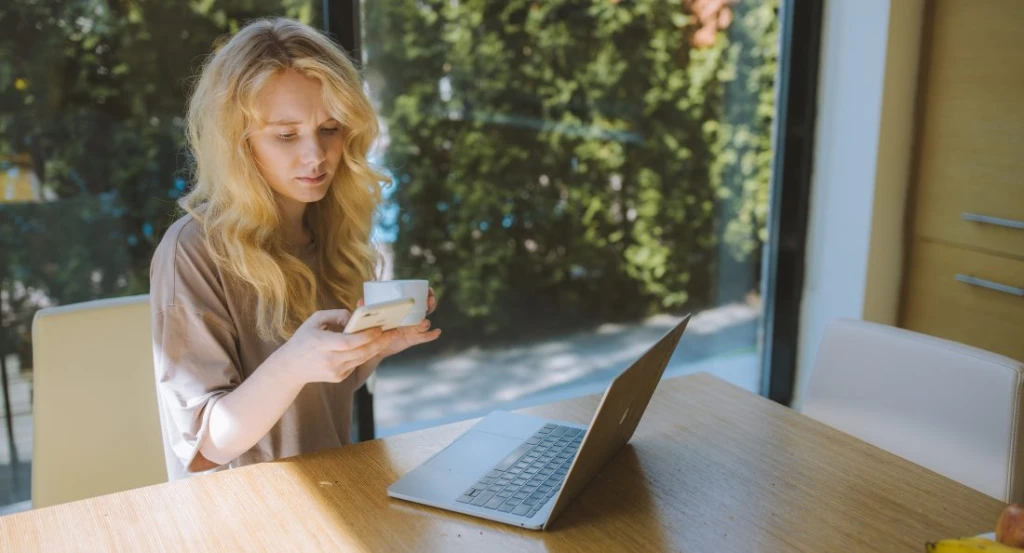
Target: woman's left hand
[409, 336]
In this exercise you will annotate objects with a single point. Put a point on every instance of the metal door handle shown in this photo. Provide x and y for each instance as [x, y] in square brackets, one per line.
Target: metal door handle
[999, 222]
[974, 281]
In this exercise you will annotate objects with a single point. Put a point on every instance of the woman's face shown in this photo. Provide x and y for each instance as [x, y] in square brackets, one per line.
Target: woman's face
[300, 146]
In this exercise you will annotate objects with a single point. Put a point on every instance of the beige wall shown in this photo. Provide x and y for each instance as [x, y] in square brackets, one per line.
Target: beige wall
[895, 157]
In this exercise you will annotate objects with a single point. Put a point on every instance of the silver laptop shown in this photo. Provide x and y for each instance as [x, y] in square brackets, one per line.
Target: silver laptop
[525, 470]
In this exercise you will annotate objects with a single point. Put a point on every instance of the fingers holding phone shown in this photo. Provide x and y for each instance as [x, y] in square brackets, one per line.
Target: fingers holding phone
[315, 353]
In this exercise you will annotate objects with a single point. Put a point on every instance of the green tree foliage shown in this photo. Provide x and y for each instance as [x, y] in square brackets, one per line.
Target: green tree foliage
[93, 91]
[565, 160]
[568, 160]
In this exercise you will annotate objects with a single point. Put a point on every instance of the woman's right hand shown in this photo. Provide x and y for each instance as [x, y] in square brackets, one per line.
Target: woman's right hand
[317, 354]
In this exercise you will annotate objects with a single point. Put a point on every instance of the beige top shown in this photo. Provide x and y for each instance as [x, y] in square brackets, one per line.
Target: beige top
[205, 345]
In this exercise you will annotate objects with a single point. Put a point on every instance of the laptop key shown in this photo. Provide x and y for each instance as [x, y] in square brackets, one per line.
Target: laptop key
[482, 498]
[521, 510]
[464, 498]
[506, 508]
[494, 503]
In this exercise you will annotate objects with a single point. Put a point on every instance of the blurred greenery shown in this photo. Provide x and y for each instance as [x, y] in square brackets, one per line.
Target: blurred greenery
[567, 161]
[560, 160]
[93, 92]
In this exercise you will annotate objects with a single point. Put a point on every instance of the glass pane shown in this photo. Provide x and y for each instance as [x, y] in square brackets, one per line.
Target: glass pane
[91, 103]
[572, 177]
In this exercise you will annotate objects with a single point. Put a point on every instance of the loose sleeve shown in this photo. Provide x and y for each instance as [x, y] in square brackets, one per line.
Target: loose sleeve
[195, 367]
[195, 342]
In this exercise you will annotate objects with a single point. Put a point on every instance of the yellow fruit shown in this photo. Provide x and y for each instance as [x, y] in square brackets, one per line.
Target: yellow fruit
[969, 545]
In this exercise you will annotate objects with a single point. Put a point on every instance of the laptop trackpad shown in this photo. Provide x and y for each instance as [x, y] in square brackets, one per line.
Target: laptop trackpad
[474, 453]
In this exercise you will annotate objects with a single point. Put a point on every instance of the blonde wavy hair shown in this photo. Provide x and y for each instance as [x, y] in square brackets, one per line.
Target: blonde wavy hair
[235, 205]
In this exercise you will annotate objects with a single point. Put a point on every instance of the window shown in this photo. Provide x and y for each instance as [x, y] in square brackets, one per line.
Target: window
[572, 177]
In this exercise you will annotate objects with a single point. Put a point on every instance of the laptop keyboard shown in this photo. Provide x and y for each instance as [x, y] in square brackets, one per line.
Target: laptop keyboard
[529, 476]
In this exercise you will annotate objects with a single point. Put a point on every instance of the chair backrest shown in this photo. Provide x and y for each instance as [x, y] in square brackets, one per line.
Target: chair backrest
[948, 407]
[96, 420]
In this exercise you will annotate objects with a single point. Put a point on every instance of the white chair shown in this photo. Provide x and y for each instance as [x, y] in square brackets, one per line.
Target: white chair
[948, 407]
[96, 422]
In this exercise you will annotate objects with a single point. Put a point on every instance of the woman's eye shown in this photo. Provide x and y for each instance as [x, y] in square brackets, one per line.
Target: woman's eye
[286, 136]
[331, 130]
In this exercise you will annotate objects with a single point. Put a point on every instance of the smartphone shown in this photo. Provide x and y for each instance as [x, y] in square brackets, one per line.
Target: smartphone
[387, 315]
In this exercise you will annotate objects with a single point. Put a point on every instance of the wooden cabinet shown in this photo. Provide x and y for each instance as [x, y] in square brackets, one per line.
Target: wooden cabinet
[964, 279]
[943, 302]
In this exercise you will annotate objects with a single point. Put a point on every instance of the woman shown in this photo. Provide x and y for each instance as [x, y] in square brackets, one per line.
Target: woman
[251, 286]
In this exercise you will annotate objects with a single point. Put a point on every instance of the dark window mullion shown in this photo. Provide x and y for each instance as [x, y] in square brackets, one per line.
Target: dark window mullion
[342, 22]
[783, 268]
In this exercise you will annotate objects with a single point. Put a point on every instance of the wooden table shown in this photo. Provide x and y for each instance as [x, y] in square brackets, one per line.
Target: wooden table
[711, 468]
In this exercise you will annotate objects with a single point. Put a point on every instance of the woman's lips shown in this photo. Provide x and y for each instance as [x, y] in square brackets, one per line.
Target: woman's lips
[313, 180]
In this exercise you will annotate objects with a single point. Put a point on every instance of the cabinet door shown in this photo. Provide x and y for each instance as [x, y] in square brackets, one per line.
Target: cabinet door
[966, 296]
[970, 170]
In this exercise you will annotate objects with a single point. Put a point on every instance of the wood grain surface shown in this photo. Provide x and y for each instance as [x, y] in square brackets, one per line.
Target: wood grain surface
[710, 468]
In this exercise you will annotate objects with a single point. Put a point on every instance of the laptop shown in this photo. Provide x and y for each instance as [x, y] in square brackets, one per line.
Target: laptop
[525, 470]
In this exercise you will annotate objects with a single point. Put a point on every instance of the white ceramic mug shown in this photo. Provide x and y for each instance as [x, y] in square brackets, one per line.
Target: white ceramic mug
[376, 291]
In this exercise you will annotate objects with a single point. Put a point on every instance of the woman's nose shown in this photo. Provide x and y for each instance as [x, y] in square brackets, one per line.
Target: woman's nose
[313, 152]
